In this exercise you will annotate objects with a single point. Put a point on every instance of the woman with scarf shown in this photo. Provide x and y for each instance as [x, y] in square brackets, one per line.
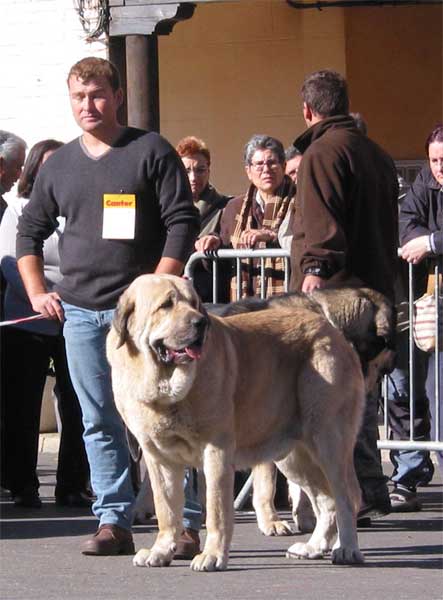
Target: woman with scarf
[253, 220]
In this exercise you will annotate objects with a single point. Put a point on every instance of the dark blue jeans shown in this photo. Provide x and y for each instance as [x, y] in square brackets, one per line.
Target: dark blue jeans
[411, 467]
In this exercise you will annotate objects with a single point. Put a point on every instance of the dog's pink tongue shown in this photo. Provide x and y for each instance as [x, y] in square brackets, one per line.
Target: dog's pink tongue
[193, 352]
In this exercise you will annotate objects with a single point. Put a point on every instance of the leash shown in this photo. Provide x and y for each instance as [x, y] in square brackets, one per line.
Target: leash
[22, 320]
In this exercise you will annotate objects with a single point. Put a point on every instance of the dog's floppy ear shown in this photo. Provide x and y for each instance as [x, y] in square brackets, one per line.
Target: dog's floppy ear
[202, 309]
[124, 310]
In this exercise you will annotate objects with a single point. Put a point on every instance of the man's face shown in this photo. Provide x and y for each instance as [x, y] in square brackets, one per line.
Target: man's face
[94, 104]
[436, 160]
[292, 166]
[11, 169]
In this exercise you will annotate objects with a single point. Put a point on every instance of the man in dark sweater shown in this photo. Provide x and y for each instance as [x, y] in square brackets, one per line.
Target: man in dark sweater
[128, 207]
[346, 230]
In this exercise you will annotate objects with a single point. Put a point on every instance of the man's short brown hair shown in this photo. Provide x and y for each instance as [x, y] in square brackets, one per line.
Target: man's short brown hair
[326, 93]
[92, 67]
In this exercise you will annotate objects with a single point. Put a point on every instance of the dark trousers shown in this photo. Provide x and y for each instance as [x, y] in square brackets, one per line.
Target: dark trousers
[25, 359]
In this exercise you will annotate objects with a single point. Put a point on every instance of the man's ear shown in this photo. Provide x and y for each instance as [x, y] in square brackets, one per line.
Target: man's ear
[307, 113]
[248, 172]
[2, 165]
[119, 96]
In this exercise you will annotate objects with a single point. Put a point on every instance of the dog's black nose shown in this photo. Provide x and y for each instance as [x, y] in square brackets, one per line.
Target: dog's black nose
[199, 322]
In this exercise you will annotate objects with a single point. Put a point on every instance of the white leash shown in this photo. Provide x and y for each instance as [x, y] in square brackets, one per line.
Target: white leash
[22, 320]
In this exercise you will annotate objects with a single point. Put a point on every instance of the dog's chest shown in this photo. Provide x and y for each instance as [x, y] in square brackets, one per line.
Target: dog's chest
[173, 435]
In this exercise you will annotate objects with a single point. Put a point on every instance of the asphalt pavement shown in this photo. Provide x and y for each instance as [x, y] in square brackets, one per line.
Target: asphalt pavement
[40, 559]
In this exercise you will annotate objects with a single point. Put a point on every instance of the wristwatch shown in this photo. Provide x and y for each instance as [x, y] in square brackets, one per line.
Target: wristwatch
[318, 271]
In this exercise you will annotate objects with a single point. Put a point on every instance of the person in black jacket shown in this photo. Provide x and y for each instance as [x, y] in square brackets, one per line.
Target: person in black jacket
[421, 237]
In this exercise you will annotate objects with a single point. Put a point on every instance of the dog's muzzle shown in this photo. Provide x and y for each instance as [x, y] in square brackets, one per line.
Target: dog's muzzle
[188, 351]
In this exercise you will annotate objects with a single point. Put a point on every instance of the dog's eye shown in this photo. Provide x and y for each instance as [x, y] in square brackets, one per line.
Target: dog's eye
[168, 303]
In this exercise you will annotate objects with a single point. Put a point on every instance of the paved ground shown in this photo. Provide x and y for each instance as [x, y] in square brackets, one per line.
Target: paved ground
[40, 559]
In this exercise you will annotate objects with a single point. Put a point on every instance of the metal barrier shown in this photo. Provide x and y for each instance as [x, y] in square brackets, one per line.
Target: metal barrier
[238, 255]
[411, 444]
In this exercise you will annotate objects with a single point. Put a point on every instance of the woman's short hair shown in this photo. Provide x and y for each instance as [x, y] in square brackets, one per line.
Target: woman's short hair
[436, 135]
[264, 142]
[93, 67]
[190, 145]
[32, 165]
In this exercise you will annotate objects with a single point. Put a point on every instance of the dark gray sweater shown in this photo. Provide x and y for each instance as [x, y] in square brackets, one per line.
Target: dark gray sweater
[71, 184]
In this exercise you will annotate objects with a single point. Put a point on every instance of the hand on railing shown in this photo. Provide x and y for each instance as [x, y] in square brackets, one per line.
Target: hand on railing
[208, 244]
[416, 250]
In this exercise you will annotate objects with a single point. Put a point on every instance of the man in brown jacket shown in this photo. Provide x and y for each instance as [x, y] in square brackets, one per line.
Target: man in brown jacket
[346, 229]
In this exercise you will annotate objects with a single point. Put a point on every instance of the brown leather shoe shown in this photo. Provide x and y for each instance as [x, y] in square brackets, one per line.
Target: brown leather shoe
[188, 545]
[109, 540]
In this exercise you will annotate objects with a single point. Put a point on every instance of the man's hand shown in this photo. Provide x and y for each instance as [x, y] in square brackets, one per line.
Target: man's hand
[207, 243]
[48, 304]
[416, 250]
[250, 237]
[312, 282]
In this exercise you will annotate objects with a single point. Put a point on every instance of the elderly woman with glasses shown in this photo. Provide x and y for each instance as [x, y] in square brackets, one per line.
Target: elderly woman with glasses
[253, 220]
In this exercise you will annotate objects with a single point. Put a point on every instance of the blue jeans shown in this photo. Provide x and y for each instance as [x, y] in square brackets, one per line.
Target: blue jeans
[85, 334]
[411, 467]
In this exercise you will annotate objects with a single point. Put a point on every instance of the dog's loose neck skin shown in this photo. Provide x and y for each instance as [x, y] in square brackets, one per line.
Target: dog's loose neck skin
[163, 385]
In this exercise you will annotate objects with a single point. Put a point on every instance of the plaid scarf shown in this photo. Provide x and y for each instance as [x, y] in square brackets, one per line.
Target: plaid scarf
[251, 216]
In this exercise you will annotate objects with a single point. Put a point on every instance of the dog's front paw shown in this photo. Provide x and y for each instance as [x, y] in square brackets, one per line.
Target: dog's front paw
[301, 550]
[347, 556]
[276, 528]
[209, 562]
[153, 557]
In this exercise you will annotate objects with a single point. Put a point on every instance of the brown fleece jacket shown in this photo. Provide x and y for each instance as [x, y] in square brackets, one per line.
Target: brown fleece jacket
[347, 221]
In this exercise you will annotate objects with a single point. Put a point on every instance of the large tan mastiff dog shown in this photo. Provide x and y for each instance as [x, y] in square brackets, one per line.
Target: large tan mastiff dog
[281, 385]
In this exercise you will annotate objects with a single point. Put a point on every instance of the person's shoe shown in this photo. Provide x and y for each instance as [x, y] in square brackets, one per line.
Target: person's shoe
[364, 522]
[27, 499]
[188, 545]
[74, 500]
[109, 540]
[404, 500]
[373, 511]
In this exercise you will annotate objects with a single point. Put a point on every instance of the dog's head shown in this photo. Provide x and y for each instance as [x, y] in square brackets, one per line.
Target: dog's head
[162, 315]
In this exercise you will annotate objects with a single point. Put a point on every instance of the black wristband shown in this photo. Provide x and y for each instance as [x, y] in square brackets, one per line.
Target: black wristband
[318, 271]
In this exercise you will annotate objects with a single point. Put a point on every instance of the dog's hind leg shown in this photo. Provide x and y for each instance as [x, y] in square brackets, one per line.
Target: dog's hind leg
[264, 476]
[299, 467]
[167, 487]
[302, 511]
[346, 492]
